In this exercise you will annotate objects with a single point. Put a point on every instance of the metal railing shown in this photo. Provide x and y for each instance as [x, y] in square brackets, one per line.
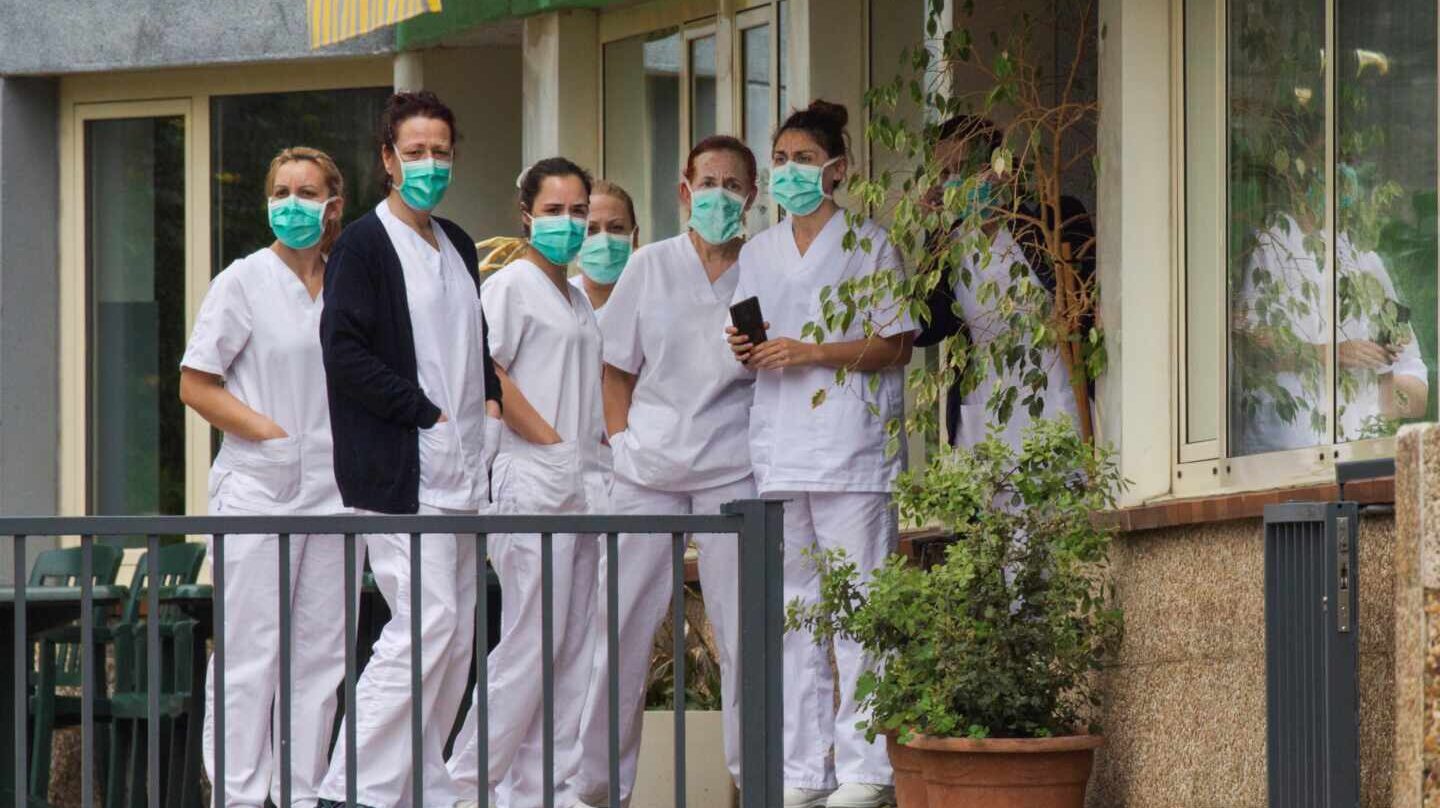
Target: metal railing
[756, 524]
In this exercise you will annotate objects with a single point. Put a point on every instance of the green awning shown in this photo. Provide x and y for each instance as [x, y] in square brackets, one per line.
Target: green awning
[461, 15]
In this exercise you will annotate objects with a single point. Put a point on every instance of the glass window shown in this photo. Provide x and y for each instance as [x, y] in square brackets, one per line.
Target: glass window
[702, 88]
[247, 131]
[135, 269]
[1329, 224]
[642, 127]
[1385, 186]
[758, 110]
[1278, 263]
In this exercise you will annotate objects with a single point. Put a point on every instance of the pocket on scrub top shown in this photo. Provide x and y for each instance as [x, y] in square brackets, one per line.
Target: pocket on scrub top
[548, 478]
[267, 470]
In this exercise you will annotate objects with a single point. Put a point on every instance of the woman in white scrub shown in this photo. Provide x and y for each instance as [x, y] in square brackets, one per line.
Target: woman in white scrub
[676, 408]
[545, 339]
[829, 462]
[413, 405]
[611, 236]
[253, 370]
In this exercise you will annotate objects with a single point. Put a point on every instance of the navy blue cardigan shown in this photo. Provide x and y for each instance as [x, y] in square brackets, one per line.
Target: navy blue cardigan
[376, 405]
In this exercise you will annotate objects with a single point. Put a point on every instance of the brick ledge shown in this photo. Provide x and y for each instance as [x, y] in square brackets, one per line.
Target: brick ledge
[1249, 505]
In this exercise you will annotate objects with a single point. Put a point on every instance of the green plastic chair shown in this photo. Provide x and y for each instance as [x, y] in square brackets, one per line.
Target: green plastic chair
[59, 660]
[182, 689]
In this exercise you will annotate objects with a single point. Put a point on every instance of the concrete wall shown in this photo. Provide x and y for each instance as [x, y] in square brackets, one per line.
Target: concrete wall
[483, 87]
[79, 36]
[1184, 716]
[29, 299]
[1416, 780]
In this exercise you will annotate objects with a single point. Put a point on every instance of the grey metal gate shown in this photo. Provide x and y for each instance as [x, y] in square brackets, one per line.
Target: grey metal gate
[757, 526]
[1311, 655]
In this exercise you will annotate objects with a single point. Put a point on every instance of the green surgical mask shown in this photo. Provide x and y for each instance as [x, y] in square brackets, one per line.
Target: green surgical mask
[424, 182]
[603, 257]
[558, 238]
[298, 223]
[716, 214]
[799, 188]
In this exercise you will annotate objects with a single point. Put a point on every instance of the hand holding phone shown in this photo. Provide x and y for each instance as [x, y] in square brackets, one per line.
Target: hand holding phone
[747, 320]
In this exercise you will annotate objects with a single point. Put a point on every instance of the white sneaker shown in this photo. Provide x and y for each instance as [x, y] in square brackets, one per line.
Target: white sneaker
[861, 795]
[470, 804]
[805, 797]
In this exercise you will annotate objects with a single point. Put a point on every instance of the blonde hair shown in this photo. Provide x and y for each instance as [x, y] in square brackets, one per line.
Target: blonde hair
[608, 188]
[334, 183]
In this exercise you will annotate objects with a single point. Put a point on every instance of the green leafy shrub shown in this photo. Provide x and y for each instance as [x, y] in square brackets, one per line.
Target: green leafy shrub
[1001, 639]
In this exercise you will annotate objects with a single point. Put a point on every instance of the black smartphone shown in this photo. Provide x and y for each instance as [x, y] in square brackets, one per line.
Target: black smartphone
[746, 318]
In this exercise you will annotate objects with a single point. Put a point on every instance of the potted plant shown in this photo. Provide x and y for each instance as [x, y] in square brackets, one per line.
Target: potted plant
[986, 662]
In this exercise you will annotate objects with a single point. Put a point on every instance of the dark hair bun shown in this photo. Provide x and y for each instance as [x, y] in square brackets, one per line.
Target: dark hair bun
[822, 120]
[834, 114]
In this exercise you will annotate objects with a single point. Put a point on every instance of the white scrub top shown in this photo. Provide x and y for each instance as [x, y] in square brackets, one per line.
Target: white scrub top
[259, 330]
[984, 326]
[840, 445]
[691, 406]
[445, 319]
[549, 344]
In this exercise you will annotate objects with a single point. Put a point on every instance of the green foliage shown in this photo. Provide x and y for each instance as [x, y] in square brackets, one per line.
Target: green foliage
[1003, 638]
[942, 231]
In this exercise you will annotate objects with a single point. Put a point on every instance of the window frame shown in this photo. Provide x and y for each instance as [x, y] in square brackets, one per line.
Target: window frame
[178, 92]
[1205, 467]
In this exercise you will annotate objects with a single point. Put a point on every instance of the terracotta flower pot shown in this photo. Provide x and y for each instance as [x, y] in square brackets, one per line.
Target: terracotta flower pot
[1006, 772]
[908, 763]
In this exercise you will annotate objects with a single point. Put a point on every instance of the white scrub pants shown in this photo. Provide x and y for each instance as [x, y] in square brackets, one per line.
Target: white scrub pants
[538, 482]
[645, 590]
[864, 526]
[382, 697]
[252, 665]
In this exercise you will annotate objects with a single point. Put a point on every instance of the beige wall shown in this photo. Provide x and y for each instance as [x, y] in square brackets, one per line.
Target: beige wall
[482, 86]
[1184, 718]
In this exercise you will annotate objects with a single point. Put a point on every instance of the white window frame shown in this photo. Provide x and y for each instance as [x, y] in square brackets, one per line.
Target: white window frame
[1204, 467]
[185, 93]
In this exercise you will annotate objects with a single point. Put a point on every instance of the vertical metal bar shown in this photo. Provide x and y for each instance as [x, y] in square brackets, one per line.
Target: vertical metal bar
[417, 717]
[482, 669]
[612, 657]
[761, 538]
[153, 673]
[547, 662]
[87, 671]
[352, 598]
[677, 567]
[286, 685]
[217, 573]
[21, 666]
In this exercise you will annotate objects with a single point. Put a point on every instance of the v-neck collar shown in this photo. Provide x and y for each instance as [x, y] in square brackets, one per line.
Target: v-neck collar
[566, 296]
[278, 265]
[697, 267]
[804, 260]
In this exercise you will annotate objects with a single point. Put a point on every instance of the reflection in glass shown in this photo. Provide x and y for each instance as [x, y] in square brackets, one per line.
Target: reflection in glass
[758, 111]
[135, 265]
[1385, 215]
[1278, 287]
[247, 131]
[702, 88]
[642, 127]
